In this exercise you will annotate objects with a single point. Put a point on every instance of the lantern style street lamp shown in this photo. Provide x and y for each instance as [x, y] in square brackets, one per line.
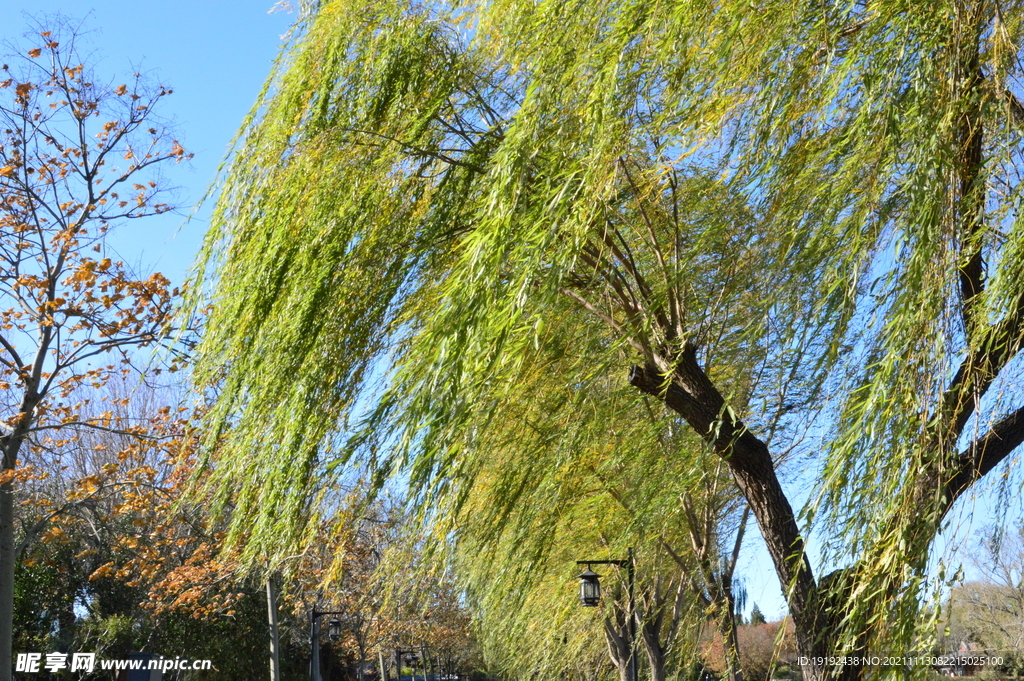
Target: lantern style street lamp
[590, 588]
[411, 658]
[590, 596]
[333, 632]
[334, 628]
[408, 657]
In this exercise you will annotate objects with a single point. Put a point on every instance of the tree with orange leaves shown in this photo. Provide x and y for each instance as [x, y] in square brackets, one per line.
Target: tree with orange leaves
[119, 565]
[78, 155]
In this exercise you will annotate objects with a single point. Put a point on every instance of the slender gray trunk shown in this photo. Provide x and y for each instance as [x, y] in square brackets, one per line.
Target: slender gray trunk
[731, 648]
[616, 633]
[6, 580]
[655, 658]
[275, 649]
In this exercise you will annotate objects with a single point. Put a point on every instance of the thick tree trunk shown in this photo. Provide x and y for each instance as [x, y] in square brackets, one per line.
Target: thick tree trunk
[835, 590]
[817, 611]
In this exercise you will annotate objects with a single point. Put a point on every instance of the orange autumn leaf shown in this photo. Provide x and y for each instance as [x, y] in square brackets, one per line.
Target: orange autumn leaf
[34, 52]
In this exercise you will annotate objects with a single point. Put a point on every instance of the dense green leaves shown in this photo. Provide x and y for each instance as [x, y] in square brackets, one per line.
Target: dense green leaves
[449, 230]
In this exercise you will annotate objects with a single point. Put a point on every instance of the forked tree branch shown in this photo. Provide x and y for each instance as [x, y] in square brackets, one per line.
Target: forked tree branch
[998, 345]
[983, 455]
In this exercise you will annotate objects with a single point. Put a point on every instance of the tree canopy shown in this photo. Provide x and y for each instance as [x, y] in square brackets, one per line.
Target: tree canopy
[78, 157]
[795, 225]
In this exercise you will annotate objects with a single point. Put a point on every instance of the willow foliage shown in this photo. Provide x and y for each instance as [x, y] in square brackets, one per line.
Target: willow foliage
[777, 211]
[562, 472]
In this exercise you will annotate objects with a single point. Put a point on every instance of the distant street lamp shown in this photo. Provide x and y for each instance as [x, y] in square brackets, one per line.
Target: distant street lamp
[590, 596]
[411, 658]
[333, 632]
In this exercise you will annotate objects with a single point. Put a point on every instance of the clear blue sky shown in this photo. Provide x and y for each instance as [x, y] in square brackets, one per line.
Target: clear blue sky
[215, 54]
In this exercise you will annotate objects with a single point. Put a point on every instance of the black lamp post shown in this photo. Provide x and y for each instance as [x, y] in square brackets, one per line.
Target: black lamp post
[408, 657]
[590, 596]
[333, 632]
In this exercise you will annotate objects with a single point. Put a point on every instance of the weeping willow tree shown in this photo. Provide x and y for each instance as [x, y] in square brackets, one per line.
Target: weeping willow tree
[588, 469]
[770, 213]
